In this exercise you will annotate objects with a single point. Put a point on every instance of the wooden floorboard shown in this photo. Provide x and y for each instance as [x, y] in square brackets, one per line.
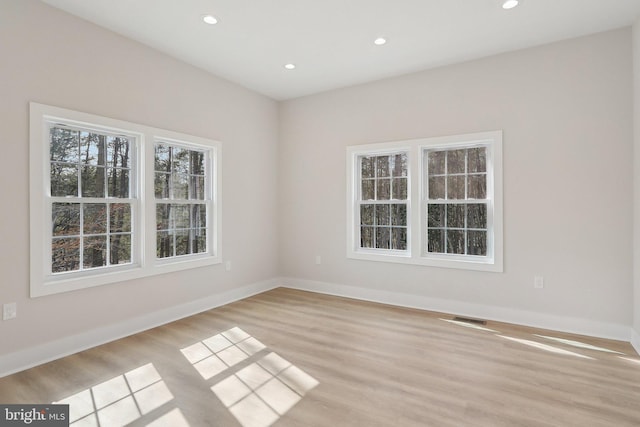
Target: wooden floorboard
[293, 358]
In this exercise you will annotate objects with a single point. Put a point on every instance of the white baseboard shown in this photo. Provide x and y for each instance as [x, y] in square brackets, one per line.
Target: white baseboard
[37, 355]
[635, 340]
[498, 314]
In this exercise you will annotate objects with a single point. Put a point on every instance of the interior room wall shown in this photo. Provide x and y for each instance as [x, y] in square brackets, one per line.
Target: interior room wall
[565, 109]
[636, 215]
[53, 58]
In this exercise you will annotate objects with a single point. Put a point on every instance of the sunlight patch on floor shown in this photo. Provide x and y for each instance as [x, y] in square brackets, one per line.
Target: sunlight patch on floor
[578, 344]
[119, 400]
[469, 325]
[546, 347]
[629, 359]
[217, 353]
[257, 394]
[260, 393]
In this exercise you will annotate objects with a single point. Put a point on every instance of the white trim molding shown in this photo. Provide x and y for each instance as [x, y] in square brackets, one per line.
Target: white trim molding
[417, 202]
[141, 197]
[499, 314]
[33, 356]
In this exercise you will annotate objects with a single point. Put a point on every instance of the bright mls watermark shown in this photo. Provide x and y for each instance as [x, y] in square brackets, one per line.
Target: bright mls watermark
[34, 415]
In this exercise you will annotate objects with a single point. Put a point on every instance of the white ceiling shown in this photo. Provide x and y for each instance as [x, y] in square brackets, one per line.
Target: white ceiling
[331, 41]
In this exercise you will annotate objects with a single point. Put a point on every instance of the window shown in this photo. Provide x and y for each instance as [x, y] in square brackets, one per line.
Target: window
[456, 201]
[91, 199]
[90, 224]
[383, 201]
[182, 200]
[458, 183]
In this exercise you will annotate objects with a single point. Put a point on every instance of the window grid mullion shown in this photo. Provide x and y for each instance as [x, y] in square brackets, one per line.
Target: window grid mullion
[108, 233]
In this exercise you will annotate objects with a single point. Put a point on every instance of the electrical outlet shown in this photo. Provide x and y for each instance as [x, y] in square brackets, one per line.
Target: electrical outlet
[318, 260]
[538, 282]
[227, 265]
[9, 311]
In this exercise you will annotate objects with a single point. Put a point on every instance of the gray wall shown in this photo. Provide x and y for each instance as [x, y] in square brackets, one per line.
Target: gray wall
[566, 112]
[53, 58]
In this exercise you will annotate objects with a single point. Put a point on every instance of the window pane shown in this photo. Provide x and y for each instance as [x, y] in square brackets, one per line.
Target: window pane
[384, 189]
[455, 161]
[95, 251]
[92, 181]
[366, 237]
[198, 216]
[64, 180]
[455, 216]
[455, 242]
[477, 216]
[164, 244]
[162, 216]
[120, 249]
[367, 167]
[64, 145]
[181, 217]
[180, 186]
[94, 218]
[399, 214]
[435, 215]
[92, 149]
[383, 215]
[435, 241]
[455, 187]
[118, 152]
[118, 185]
[399, 164]
[436, 162]
[199, 240]
[65, 219]
[366, 214]
[182, 242]
[162, 185]
[477, 186]
[477, 159]
[436, 187]
[119, 217]
[180, 161]
[65, 254]
[399, 189]
[368, 189]
[399, 238]
[163, 158]
[197, 162]
[197, 187]
[182, 227]
[383, 237]
[477, 243]
[382, 166]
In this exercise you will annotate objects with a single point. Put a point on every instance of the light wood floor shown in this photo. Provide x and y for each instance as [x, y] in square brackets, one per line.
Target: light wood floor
[292, 358]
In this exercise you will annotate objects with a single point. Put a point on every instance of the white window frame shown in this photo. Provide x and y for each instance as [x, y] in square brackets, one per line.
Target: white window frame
[144, 263]
[354, 212]
[416, 220]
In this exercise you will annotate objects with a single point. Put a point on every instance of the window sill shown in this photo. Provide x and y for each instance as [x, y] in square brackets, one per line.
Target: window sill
[442, 262]
[71, 282]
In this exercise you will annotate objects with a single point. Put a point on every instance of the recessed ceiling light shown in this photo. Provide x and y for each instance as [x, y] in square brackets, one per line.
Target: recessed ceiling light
[289, 66]
[210, 19]
[380, 41]
[510, 4]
